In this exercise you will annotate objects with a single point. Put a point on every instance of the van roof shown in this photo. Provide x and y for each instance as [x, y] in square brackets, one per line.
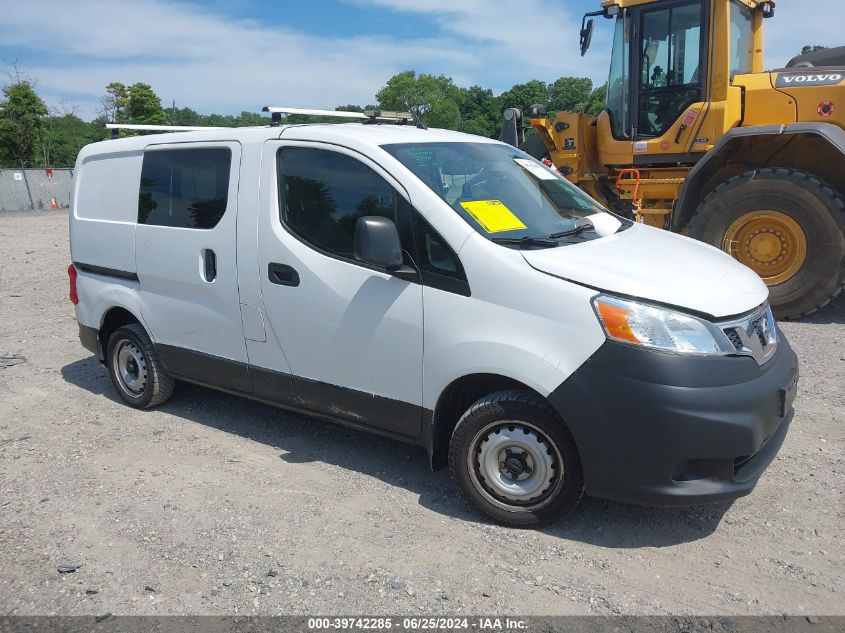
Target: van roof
[354, 134]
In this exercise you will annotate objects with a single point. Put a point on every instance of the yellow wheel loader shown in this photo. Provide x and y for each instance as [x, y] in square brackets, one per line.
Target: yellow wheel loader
[697, 138]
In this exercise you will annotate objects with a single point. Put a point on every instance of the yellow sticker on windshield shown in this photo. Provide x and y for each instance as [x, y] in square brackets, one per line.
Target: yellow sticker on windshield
[493, 216]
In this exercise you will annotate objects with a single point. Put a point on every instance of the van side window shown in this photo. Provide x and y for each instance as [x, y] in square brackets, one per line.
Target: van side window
[322, 194]
[185, 188]
[435, 255]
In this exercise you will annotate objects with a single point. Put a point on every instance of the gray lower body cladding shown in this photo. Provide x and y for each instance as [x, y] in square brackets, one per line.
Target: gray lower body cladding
[667, 429]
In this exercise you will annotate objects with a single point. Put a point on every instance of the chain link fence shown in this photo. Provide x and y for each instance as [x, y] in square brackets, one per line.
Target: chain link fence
[34, 188]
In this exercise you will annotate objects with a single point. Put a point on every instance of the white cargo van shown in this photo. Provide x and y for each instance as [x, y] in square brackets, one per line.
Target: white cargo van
[441, 289]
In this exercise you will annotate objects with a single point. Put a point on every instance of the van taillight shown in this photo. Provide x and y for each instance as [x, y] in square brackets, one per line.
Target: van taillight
[72, 295]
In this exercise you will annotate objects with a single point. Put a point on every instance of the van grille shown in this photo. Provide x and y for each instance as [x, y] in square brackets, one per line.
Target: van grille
[754, 335]
[733, 337]
[762, 332]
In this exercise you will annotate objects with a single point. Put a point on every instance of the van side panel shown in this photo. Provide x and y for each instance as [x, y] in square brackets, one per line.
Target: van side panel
[187, 310]
[105, 209]
[262, 348]
[98, 294]
[518, 323]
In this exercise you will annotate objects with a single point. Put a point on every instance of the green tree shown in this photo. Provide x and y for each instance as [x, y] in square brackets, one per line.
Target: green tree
[61, 139]
[596, 101]
[64, 134]
[480, 112]
[144, 105]
[22, 115]
[217, 120]
[444, 114]
[185, 116]
[97, 130]
[569, 94]
[350, 107]
[114, 104]
[425, 95]
[137, 103]
[812, 48]
[251, 118]
[523, 96]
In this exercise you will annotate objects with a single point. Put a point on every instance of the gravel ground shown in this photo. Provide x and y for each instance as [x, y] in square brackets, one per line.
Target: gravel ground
[213, 504]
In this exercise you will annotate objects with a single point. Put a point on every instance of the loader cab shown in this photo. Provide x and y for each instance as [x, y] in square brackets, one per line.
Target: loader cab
[654, 81]
[669, 55]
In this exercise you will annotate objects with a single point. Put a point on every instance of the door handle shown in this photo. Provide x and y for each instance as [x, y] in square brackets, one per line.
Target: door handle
[282, 274]
[210, 264]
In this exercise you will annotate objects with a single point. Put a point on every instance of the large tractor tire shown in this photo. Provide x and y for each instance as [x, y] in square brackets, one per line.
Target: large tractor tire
[786, 225]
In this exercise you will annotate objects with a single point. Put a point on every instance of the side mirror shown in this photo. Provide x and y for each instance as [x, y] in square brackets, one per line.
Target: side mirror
[376, 241]
[586, 36]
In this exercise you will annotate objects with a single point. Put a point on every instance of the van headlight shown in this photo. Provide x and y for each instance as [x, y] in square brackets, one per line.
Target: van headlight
[657, 328]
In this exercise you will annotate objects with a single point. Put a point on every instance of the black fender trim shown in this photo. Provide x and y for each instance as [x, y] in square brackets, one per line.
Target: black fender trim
[367, 411]
[692, 192]
[106, 272]
[90, 339]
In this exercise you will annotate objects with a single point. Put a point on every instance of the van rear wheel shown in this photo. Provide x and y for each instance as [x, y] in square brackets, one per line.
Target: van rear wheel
[515, 461]
[135, 368]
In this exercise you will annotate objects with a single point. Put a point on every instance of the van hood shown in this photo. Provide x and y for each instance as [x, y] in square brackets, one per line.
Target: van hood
[656, 265]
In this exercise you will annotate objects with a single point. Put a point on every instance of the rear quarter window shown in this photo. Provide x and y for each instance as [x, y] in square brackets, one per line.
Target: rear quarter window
[184, 188]
[107, 186]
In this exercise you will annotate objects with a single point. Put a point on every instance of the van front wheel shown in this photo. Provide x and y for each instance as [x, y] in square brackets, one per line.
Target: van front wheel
[514, 460]
[135, 368]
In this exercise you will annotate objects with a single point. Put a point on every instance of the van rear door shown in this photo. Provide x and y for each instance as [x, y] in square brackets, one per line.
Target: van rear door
[185, 257]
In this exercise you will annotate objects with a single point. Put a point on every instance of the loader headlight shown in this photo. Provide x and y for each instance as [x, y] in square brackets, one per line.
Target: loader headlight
[611, 10]
[650, 326]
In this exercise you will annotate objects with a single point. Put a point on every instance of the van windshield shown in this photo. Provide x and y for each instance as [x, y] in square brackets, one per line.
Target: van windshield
[502, 192]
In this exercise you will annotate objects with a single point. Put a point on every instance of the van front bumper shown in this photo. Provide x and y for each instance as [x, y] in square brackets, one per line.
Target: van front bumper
[667, 429]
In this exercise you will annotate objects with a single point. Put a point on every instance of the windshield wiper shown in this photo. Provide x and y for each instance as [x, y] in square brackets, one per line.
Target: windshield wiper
[525, 241]
[578, 229]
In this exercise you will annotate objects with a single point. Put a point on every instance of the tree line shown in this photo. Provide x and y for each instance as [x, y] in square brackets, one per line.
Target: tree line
[33, 135]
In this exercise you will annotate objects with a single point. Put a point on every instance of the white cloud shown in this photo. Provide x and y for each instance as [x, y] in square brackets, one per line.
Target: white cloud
[206, 61]
[800, 22]
[214, 63]
[529, 39]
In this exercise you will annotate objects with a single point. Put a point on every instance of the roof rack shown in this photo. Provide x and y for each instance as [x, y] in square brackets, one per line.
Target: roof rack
[115, 127]
[161, 128]
[367, 116]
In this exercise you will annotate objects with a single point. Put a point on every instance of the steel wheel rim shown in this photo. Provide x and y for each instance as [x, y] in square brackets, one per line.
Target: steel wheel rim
[527, 485]
[770, 243]
[130, 368]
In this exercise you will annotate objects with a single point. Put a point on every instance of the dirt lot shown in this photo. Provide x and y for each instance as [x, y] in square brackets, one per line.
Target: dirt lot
[212, 504]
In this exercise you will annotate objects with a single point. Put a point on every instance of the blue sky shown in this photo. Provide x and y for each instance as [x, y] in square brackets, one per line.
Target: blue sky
[218, 56]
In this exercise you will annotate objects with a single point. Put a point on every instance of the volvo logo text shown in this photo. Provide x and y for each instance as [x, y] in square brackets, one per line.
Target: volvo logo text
[806, 79]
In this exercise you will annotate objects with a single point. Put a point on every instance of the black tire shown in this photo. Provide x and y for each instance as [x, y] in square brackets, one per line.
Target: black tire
[516, 412]
[152, 385]
[816, 207]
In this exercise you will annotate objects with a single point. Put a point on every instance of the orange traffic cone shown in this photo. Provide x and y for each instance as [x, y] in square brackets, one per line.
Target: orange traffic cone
[53, 203]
